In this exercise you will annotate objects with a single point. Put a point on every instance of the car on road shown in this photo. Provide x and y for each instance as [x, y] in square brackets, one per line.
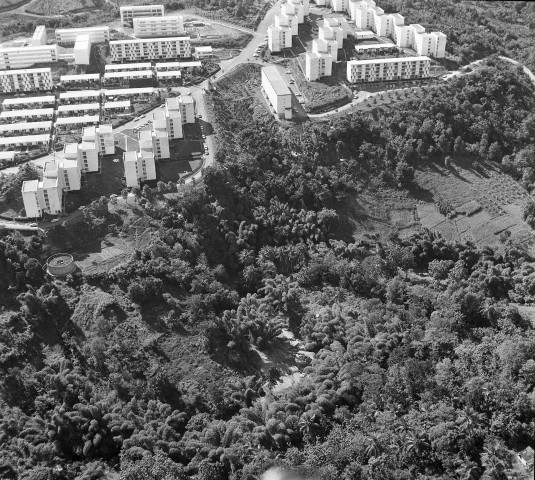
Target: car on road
[162, 105]
[33, 224]
[81, 208]
[292, 81]
[288, 72]
[54, 220]
[200, 116]
[204, 137]
[256, 55]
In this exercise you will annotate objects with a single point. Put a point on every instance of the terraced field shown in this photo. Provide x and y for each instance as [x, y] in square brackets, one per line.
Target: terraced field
[484, 202]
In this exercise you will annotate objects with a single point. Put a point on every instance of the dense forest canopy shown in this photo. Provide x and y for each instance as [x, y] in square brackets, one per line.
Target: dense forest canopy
[423, 366]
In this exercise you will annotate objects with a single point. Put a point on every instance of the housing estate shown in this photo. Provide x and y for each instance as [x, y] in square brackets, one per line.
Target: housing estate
[161, 26]
[388, 69]
[150, 49]
[67, 36]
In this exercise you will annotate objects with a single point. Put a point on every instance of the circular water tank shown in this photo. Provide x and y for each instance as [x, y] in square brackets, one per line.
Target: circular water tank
[60, 264]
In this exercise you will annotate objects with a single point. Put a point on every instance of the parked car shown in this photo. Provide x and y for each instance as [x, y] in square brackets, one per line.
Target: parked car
[204, 136]
[33, 224]
[292, 81]
[80, 208]
[54, 220]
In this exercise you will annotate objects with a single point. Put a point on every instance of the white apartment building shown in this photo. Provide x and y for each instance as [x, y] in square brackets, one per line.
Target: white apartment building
[318, 65]
[339, 5]
[10, 156]
[173, 118]
[364, 35]
[103, 138]
[42, 196]
[67, 36]
[39, 36]
[168, 75]
[284, 20]
[82, 49]
[296, 9]
[185, 104]
[278, 93]
[28, 102]
[158, 27]
[156, 139]
[25, 128]
[132, 93]
[66, 170]
[129, 12]
[127, 67]
[139, 166]
[69, 123]
[41, 140]
[27, 80]
[110, 77]
[387, 69]
[166, 66]
[120, 106]
[70, 80]
[279, 38]
[35, 114]
[337, 22]
[203, 52]
[329, 47]
[79, 96]
[150, 49]
[21, 57]
[331, 33]
[78, 108]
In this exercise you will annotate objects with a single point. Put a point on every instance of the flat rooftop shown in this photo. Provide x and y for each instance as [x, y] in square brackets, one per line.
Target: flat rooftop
[105, 128]
[117, 104]
[127, 66]
[7, 155]
[70, 149]
[130, 156]
[166, 65]
[275, 79]
[25, 125]
[387, 60]
[78, 120]
[30, 186]
[80, 94]
[81, 29]
[150, 40]
[81, 77]
[45, 112]
[169, 73]
[26, 100]
[131, 73]
[128, 91]
[139, 7]
[78, 107]
[25, 139]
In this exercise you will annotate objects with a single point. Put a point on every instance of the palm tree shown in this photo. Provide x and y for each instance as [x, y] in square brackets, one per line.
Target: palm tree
[496, 460]
[416, 443]
[374, 447]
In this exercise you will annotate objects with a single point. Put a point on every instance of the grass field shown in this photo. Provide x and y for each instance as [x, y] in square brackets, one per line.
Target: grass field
[7, 5]
[58, 7]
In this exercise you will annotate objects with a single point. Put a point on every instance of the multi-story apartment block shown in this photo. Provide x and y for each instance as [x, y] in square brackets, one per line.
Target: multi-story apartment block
[173, 118]
[296, 9]
[30, 80]
[103, 138]
[66, 170]
[42, 196]
[156, 139]
[318, 65]
[129, 12]
[82, 49]
[329, 47]
[79, 96]
[139, 166]
[284, 20]
[277, 92]
[117, 77]
[150, 49]
[387, 69]
[21, 57]
[87, 79]
[279, 38]
[339, 5]
[67, 36]
[337, 22]
[158, 27]
[331, 33]
[185, 104]
[39, 36]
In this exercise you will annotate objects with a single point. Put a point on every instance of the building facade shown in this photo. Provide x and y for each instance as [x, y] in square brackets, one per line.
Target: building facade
[39, 36]
[150, 49]
[28, 80]
[318, 65]
[279, 38]
[82, 49]
[67, 36]
[21, 57]
[139, 166]
[129, 12]
[42, 196]
[387, 69]
[158, 27]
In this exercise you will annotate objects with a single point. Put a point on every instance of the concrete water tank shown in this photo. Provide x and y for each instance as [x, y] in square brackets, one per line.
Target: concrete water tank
[60, 264]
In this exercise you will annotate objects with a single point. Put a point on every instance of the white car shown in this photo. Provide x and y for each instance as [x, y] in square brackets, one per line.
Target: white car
[33, 224]
[54, 220]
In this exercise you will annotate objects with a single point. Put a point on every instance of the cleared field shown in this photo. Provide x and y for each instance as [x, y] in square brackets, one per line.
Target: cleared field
[57, 7]
[486, 202]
